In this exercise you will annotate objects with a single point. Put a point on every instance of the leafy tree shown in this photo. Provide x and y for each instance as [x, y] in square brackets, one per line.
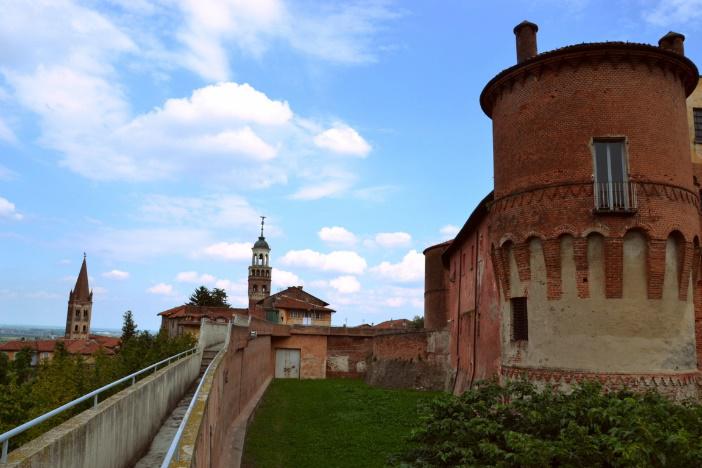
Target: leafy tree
[219, 297]
[22, 365]
[204, 297]
[4, 369]
[129, 328]
[517, 426]
[417, 322]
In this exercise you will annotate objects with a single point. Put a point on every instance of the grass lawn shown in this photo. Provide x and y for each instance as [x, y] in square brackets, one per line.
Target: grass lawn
[330, 423]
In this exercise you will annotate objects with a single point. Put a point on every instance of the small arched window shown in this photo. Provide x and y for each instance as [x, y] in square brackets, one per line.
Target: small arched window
[263, 288]
[85, 329]
[75, 328]
[85, 314]
[255, 288]
[77, 313]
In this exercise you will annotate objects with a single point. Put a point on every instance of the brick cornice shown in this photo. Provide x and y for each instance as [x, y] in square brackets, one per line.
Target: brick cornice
[593, 55]
[581, 190]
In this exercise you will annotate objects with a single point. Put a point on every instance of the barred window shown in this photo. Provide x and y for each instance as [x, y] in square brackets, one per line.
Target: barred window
[697, 119]
[520, 321]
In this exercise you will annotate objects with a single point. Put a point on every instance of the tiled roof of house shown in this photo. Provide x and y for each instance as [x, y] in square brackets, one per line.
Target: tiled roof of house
[394, 324]
[193, 311]
[84, 347]
[285, 302]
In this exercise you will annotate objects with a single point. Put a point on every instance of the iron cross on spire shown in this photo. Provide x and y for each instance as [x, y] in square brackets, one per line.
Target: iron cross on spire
[263, 218]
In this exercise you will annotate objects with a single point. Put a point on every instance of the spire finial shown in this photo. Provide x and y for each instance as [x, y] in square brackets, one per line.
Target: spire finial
[263, 218]
[84, 255]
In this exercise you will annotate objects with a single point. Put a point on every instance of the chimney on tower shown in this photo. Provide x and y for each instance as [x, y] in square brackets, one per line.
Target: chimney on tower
[526, 40]
[673, 41]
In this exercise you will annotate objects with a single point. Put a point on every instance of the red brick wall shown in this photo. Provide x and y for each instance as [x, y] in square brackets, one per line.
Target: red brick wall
[347, 356]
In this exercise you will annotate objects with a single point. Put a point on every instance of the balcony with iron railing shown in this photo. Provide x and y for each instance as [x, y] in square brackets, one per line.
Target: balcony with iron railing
[616, 197]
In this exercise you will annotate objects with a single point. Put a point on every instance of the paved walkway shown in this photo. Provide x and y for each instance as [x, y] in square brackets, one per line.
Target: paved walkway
[160, 443]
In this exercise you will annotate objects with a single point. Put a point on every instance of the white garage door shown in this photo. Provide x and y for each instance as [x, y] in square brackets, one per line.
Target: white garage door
[287, 363]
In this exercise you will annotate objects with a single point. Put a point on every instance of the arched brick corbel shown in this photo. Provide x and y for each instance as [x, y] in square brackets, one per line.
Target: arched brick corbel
[614, 267]
[581, 266]
[498, 264]
[522, 256]
[686, 256]
[552, 259]
[655, 265]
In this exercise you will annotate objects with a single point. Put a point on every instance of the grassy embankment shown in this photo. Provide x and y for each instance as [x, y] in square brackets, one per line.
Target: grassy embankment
[330, 423]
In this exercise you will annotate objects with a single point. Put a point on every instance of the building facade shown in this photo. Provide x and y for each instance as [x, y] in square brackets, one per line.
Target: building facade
[295, 306]
[583, 262]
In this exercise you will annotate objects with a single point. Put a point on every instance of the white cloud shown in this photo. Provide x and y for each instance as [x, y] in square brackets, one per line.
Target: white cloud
[410, 269]
[161, 289]
[116, 274]
[337, 235]
[449, 231]
[73, 66]
[345, 284]
[342, 261]
[225, 211]
[343, 139]
[6, 174]
[145, 243]
[229, 251]
[315, 191]
[195, 278]
[6, 134]
[283, 279]
[668, 12]
[99, 290]
[341, 33]
[8, 210]
[393, 239]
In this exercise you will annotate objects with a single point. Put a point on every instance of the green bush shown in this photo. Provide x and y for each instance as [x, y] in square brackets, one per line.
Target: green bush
[516, 425]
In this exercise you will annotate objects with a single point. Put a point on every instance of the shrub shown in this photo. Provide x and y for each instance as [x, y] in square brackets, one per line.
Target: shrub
[516, 425]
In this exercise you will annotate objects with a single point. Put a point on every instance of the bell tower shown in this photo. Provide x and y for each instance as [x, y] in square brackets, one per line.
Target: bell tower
[80, 307]
[259, 274]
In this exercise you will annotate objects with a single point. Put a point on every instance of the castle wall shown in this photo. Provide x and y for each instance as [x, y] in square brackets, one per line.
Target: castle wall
[633, 334]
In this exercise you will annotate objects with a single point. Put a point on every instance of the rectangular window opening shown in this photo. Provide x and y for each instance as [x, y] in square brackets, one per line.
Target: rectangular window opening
[612, 189]
[520, 321]
[697, 122]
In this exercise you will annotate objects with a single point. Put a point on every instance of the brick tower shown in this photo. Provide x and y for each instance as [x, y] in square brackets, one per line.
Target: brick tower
[259, 274]
[594, 225]
[80, 307]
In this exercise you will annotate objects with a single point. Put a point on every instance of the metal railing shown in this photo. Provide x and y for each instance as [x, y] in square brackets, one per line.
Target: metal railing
[5, 438]
[616, 196]
[173, 448]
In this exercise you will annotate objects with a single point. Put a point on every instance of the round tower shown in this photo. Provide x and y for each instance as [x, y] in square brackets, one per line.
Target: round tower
[435, 287]
[259, 274]
[594, 226]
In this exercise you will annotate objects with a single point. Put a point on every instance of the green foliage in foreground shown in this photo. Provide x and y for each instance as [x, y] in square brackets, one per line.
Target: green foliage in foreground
[27, 392]
[517, 426]
[330, 423]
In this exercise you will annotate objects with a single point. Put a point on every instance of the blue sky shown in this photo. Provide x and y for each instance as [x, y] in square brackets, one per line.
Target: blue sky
[151, 134]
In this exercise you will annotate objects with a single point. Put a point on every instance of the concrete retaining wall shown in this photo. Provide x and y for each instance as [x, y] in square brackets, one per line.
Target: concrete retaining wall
[116, 433]
[212, 333]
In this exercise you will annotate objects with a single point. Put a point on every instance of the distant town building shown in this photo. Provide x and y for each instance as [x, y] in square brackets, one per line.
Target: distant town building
[80, 306]
[259, 274]
[294, 306]
[186, 318]
[77, 339]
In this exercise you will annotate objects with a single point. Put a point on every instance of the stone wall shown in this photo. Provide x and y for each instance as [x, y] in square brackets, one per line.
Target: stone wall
[418, 359]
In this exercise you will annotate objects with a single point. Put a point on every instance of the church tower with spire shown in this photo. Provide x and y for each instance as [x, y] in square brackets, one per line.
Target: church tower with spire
[80, 307]
[259, 274]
